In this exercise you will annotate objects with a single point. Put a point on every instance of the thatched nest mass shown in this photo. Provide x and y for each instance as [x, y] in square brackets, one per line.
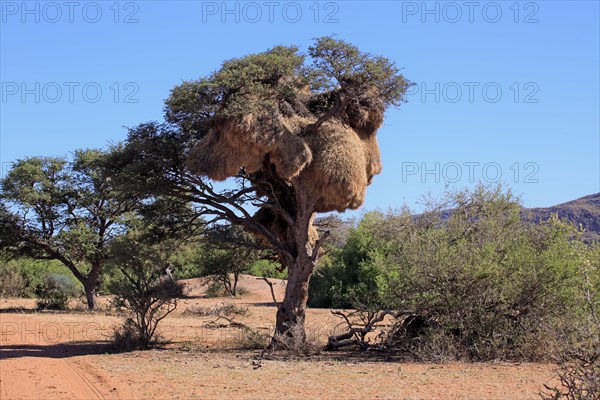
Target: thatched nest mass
[335, 162]
[264, 110]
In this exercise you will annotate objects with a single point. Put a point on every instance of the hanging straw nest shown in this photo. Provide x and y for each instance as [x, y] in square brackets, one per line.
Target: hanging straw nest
[334, 162]
[337, 177]
[272, 222]
[232, 145]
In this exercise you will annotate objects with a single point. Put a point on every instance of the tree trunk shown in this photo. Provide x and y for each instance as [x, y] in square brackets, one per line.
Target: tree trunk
[90, 294]
[236, 278]
[227, 285]
[292, 311]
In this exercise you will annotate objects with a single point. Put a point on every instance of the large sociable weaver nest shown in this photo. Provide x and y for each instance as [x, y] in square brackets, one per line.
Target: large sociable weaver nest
[269, 116]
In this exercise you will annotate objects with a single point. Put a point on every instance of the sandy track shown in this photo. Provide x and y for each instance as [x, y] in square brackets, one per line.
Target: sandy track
[62, 356]
[33, 367]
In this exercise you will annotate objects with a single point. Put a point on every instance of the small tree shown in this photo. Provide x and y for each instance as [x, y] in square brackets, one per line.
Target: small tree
[226, 255]
[66, 211]
[142, 289]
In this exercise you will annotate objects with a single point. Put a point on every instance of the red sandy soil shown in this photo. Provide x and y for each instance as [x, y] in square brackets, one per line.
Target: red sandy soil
[47, 355]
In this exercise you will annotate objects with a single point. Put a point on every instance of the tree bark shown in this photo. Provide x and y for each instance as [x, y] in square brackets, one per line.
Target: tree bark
[90, 294]
[291, 313]
[292, 310]
[90, 284]
[236, 278]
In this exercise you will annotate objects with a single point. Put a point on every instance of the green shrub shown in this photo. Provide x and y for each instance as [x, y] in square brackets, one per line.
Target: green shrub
[217, 289]
[355, 274]
[55, 292]
[485, 284]
[33, 273]
[184, 261]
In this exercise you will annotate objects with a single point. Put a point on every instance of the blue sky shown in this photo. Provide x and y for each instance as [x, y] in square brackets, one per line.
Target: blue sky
[505, 91]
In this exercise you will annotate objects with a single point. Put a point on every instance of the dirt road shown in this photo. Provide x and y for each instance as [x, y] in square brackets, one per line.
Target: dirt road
[62, 356]
[42, 360]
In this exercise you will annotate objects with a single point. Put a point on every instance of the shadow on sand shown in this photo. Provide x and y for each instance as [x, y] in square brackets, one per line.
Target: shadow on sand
[59, 350]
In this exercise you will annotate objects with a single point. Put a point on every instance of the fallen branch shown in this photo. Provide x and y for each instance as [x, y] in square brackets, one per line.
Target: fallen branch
[356, 335]
[232, 323]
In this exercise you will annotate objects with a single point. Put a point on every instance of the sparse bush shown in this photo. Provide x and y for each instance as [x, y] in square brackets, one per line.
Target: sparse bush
[252, 339]
[579, 374]
[148, 299]
[142, 291]
[223, 259]
[55, 292]
[127, 337]
[216, 289]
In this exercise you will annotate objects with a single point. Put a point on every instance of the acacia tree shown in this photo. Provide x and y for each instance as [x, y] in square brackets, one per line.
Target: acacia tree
[297, 133]
[65, 211]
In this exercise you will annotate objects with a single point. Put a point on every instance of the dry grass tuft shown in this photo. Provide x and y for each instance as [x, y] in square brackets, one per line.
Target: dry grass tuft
[296, 343]
[221, 309]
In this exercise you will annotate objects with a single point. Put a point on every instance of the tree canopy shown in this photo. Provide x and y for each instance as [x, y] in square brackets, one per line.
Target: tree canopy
[67, 211]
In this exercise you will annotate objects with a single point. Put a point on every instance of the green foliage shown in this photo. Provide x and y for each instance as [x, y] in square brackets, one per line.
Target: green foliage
[55, 292]
[152, 162]
[37, 180]
[224, 257]
[266, 268]
[256, 83]
[338, 63]
[28, 273]
[185, 260]
[224, 267]
[219, 264]
[9, 231]
[487, 284]
[353, 274]
[192, 104]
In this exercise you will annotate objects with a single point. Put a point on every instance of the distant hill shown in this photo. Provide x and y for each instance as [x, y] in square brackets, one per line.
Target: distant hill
[584, 212]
